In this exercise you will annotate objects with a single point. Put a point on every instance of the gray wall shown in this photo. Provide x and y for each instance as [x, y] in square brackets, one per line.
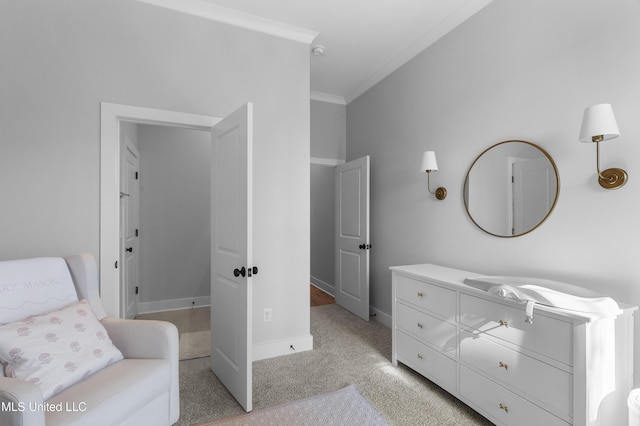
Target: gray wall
[516, 70]
[328, 141]
[175, 215]
[61, 59]
[328, 130]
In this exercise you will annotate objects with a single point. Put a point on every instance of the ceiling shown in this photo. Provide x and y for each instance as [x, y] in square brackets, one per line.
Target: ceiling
[364, 40]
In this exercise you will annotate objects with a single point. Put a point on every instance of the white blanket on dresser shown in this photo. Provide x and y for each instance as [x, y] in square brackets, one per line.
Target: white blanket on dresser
[520, 290]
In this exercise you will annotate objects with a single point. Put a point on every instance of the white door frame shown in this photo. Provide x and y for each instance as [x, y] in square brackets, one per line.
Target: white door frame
[111, 115]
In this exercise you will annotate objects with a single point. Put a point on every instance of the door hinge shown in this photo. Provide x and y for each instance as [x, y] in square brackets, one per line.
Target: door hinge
[137, 233]
[137, 289]
[136, 175]
[513, 179]
[116, 264]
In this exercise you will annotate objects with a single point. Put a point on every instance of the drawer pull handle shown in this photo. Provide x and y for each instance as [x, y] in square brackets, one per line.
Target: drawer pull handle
[420, 294]
[504, 407]
[419, 356]
[504, 323]
[504, 365]
[420, 325]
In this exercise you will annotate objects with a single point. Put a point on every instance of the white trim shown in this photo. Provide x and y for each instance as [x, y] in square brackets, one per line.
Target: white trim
[237, 18]
[332, 162]
[328, 97]
[110, 117]
[382, 317]
[323, 286]
[456, 18]
[173, 304]
[282, 347]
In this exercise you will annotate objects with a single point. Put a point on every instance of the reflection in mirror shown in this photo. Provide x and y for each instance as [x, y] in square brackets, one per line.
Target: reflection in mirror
[511, 188]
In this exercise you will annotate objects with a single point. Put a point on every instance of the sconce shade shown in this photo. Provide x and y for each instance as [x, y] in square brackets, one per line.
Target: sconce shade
[429, 162]
[598, 124]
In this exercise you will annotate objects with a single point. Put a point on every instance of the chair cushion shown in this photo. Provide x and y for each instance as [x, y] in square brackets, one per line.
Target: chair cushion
[33, 287]
[57, 349]
[114, 394]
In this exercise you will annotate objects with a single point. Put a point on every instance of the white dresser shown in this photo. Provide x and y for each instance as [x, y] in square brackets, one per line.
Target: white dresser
[567, 368]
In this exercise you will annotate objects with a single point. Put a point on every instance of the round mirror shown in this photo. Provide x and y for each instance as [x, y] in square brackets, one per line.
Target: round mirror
[511, 188]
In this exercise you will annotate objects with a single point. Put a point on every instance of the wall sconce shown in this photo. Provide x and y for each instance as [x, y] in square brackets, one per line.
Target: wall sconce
[429, 164]
[599, 124]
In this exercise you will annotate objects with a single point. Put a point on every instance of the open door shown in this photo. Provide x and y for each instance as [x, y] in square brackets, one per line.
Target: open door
[129, 225]
[231, 254]
[352, 236]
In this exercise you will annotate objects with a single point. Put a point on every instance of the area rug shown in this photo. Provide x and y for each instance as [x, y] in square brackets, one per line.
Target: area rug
[196, 344]
[345, 406]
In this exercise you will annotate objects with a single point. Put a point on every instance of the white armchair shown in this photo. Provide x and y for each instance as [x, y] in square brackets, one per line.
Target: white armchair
[141, 389]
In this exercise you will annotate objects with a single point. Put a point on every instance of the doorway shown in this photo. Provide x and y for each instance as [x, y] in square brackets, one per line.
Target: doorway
[112, 115]
[173, 241]
[231, 231]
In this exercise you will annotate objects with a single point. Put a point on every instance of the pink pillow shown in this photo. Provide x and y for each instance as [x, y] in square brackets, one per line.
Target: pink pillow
[57, 349]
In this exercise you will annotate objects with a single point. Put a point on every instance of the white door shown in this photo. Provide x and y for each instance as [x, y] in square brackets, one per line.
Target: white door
[231, 254]
[534, 189]
[352, 236]
[129, 223]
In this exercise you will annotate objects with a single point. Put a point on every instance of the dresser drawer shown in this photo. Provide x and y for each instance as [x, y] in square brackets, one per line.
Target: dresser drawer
[546, 336]
[426, 361]
[428, 329]
[541, 381]
[501, 404]
[431, 297]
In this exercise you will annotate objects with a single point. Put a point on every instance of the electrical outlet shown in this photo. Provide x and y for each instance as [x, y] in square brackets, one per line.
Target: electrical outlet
[266, 315]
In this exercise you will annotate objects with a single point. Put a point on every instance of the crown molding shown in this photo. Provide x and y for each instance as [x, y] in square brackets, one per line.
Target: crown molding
[467, 10]
[239, 19]
[331, 162]
[327, 97]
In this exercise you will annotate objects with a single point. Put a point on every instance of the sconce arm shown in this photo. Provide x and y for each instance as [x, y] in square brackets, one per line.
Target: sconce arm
[612, 178]
[440, 193]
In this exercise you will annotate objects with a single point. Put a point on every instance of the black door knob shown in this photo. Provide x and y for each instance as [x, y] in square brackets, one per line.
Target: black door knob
[238, 272]
[362, 246]
[130, 249]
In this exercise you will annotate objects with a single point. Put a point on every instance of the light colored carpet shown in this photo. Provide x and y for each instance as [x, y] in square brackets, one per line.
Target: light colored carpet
[347, 351]
[196, 344]
[345, 406]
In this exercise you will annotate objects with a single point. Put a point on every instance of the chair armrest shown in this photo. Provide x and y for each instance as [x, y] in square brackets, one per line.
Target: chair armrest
[149, 339]
[20, 403]
[143, 338]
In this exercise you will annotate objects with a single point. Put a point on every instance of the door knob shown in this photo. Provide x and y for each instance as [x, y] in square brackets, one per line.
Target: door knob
[362, 246]
[238, 272]
[130, 249]
[253, 270]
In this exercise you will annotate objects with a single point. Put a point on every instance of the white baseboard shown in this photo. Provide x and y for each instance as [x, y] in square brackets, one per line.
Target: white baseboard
[173, 304]
[282, 347]
[382, 317]
[324, 286]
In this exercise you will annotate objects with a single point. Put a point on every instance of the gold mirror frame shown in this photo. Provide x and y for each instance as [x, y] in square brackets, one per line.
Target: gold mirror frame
[465, 194]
